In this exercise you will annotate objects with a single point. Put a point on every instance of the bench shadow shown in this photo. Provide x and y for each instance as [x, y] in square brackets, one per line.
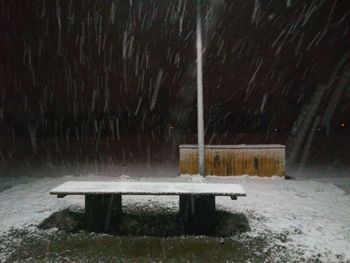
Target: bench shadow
[142, 222]
[167, 223]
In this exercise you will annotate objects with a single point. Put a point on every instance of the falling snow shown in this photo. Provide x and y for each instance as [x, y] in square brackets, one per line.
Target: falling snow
[90, 84]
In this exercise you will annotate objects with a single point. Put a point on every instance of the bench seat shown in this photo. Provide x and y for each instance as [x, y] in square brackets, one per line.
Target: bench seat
[147, 188]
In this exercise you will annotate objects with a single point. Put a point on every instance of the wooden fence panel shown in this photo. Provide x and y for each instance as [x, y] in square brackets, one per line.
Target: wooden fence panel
[225, 160]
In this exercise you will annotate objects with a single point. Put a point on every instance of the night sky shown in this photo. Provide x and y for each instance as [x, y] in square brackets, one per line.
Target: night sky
[125, 68]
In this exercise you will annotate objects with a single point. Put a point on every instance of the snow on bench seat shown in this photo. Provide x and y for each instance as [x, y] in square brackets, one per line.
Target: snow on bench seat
[147, 188]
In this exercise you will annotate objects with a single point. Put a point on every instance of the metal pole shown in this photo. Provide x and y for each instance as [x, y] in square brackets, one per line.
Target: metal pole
[200, 117]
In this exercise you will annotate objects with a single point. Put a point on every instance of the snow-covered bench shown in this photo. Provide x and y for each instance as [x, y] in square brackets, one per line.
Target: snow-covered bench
[104, 209]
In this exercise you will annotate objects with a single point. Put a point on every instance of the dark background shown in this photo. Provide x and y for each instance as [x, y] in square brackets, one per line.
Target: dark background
[116, 80]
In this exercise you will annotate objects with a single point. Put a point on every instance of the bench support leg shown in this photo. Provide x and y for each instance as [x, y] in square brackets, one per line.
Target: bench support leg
[197, 214]
[103, 212]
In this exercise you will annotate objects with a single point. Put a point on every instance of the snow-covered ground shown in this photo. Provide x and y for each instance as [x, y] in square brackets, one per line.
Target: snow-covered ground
[313, 214]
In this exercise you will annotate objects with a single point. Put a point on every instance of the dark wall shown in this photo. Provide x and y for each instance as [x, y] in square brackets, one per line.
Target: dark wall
[96, 66]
